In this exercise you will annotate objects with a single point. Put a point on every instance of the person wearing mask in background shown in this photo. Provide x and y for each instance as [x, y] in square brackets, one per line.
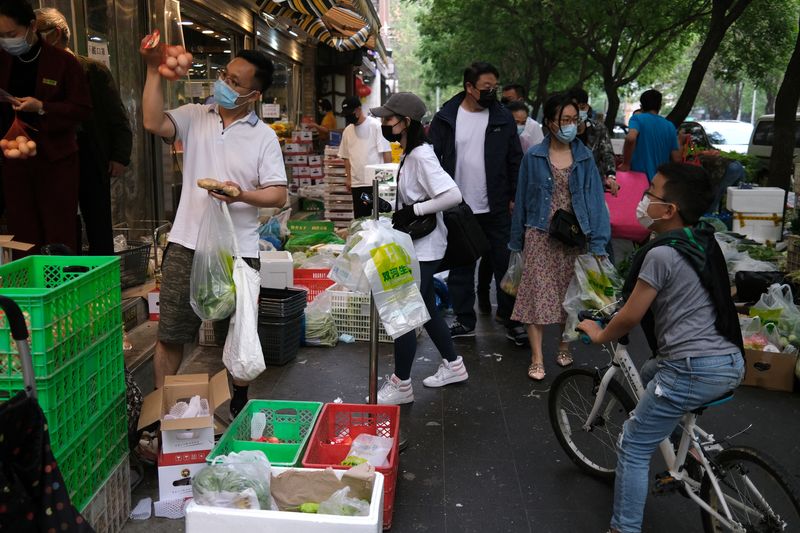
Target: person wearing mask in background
[227, 136]
[51, 96]
[652, 140]
[105, 140]
[527, 137]
[328, 122]
[362, 145]
[558, 173]
[533, 130]
[423, 188]
[595, 136]
[476, 141]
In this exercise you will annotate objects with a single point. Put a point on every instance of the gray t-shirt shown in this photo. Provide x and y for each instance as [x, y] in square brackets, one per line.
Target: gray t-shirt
[683, 310]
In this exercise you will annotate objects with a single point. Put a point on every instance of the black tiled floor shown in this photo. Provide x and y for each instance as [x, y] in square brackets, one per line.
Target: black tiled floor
[482, 456]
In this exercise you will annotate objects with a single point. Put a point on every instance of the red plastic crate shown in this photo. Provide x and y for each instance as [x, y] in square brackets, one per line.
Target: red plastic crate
[345, 419]
[313, 280]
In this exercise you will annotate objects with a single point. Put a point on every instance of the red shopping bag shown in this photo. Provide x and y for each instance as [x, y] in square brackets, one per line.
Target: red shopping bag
[622, 208]
[17, 142]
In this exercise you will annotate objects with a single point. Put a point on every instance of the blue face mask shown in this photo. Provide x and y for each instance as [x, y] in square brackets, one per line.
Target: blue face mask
[16, 46]
[520, 129]
[226, 97]
[567, 133]
[583, 115]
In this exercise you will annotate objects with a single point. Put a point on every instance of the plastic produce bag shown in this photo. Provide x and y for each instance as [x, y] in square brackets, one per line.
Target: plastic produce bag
[304, 241]
[595, 286]
[343, 505]
[369, 449]
[237, 481]
[17, 142]
[513, 276]
[242, 354]
[777, 306]
[212, 290]
[320, 326]
[175, 59]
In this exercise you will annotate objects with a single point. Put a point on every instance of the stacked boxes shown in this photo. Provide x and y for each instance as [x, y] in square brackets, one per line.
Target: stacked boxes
[338, 200]
[299, 157]
[72, 309]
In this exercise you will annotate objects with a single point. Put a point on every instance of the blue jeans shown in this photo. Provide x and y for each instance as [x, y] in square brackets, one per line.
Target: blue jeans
[673, 388]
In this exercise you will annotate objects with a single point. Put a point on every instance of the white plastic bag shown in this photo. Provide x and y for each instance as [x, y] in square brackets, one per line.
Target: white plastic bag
[371, 449]
[513, 276]
[320, 326]
[595, 286]
[343, 505]
[212, 291]
[242, 354]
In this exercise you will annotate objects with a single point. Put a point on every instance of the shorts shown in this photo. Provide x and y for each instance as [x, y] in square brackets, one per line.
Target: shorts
[178, 323]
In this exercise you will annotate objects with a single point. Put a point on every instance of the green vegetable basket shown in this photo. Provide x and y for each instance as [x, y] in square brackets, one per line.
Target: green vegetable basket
[290, 422]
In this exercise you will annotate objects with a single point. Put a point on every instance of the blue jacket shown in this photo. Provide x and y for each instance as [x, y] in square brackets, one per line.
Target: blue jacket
[502, 150]
[535, 188]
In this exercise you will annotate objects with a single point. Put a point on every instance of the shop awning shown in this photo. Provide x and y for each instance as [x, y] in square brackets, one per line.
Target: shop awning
[338, 24]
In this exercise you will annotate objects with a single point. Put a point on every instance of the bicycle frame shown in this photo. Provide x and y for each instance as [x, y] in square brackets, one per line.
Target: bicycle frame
[692, 436]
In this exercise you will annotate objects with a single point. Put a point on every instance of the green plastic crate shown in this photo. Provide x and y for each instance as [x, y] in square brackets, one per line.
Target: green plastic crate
[68, 303]
[79, 390]
[293, 429]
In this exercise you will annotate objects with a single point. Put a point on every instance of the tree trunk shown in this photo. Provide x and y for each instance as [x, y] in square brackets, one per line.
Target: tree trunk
[613, 100]
[780, 164]
[719, 24]
[769, 106]
[541, 93]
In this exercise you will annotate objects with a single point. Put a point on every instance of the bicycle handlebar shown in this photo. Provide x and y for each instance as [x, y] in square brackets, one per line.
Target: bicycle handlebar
[602, 321]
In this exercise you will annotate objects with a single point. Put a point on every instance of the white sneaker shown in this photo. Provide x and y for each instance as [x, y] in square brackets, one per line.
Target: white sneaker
[395, 391]
[448, 373]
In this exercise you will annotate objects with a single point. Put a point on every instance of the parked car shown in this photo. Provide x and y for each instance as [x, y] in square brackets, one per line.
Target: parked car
[761, 141]
[698, 133]
[728, 135]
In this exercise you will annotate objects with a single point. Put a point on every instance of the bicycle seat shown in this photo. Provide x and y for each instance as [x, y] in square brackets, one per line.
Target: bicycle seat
[728, 396]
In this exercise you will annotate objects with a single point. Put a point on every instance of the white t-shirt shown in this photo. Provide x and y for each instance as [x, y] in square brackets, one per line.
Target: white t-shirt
[470, 163]
[247, 153]
[363, 145]
[422, 178]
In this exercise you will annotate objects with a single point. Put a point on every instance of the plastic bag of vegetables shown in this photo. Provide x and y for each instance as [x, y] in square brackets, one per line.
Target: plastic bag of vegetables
[320, 327]
[595, 285]
[212, 291]
[237, 481]
[343, 505]
[513, 276]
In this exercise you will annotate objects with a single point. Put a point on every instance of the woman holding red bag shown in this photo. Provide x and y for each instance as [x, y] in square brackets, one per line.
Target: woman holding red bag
[52, 98]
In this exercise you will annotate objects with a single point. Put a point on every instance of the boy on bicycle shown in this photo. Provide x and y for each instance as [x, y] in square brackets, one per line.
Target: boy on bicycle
[678, 290]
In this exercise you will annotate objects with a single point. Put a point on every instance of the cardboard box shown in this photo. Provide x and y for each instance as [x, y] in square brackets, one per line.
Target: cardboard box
[315, 172]
[302, 136]
[296, 160]
[185, 434]
[769, 370]
[295, 148]
[176, 471]
[315, 160]
[277, 269]
[7, 245]
[206, 519]
[756, 200]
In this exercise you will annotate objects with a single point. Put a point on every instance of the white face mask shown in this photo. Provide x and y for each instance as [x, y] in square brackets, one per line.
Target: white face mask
[641, 212]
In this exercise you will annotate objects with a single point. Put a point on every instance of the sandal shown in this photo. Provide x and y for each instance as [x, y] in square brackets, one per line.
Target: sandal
[563, 358]
[536, 371]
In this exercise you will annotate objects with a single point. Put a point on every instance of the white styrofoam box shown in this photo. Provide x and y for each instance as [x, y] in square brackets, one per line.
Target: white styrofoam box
[296, 160]
[176, 471]
[205, 519]
[760, 227]
[315, 160]
[277, 269]
[756, 200]
[187, 440]
[315, 172]
[385, 172]
[295, 148]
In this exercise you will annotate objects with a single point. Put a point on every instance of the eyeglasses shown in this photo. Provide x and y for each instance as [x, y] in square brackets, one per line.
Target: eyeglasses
[224, 76]
[566, 121]
[648, 193]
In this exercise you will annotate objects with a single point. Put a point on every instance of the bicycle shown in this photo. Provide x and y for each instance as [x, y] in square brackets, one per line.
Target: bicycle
[737, 488]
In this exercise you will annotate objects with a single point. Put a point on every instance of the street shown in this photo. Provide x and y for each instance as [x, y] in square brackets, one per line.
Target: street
[482, 456]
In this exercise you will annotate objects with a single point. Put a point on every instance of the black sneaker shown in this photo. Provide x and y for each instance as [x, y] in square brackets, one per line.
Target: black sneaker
[457, 330]
[518, 335]
[484, 303]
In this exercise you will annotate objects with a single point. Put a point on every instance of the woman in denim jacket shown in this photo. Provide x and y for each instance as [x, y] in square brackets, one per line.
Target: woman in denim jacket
[559, 173]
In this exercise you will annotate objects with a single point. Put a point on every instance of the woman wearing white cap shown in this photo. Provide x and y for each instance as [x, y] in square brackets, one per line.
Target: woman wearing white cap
[423, 188]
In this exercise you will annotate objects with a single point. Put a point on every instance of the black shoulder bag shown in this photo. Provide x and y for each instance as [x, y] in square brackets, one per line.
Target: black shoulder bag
[466, 241]
[565, 228]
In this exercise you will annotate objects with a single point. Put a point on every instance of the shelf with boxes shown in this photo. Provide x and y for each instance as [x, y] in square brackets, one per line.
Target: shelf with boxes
[338, 200]
[299, 157]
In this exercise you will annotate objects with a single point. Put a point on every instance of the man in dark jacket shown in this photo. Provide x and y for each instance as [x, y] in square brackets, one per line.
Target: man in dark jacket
[105, 140]
[476, 141]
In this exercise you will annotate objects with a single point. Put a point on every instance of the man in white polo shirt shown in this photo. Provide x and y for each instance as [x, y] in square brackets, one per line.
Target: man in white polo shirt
[225, 141]
[362, 144]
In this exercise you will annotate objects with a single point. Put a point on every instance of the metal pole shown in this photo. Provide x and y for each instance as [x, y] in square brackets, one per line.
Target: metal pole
[373, 319]
[753, 108]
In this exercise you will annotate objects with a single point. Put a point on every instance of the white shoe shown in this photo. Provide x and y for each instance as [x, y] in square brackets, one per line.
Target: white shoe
[395, 391]
[448, 373]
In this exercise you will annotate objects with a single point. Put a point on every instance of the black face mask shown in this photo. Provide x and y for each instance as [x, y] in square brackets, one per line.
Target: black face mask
[389, 135]
[351, 118]
[487, 97]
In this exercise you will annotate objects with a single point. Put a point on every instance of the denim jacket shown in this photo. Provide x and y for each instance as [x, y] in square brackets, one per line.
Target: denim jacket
[534, 193]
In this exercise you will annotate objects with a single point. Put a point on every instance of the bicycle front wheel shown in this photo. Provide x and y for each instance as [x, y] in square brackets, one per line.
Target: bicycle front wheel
[758, 494]
[572, 396]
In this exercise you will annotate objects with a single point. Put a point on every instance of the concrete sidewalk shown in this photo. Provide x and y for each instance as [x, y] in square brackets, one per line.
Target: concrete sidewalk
[482, 456]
